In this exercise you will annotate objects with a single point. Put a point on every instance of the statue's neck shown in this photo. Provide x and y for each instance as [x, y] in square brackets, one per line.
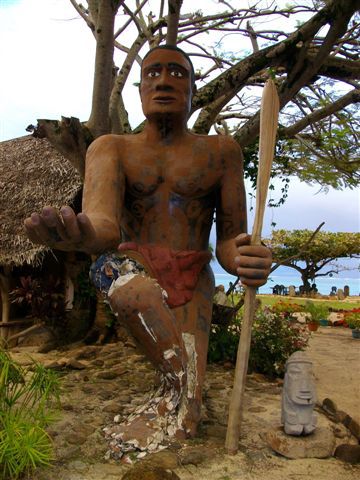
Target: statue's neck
[166, 129]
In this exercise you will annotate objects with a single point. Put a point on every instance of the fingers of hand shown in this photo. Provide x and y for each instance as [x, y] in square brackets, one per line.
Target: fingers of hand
[49, 228]
[32, 230]
[254, 270]
[242, 239]
[71, 225]
[53, 222]
[86, 229]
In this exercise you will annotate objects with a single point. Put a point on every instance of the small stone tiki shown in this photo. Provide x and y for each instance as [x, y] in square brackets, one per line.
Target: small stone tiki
[299, 396]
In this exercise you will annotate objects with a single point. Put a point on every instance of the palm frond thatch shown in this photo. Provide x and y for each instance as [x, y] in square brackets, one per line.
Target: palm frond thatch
[32, 174]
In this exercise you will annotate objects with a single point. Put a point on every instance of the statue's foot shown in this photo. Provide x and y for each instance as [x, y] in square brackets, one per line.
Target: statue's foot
[150, 427]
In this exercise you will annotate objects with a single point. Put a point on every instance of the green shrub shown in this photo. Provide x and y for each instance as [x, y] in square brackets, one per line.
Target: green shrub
[28, 401]
[273, 340]
[352, 318]
[318, 311]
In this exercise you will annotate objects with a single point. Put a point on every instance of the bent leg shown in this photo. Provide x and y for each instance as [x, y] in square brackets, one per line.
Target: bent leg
[140, 305]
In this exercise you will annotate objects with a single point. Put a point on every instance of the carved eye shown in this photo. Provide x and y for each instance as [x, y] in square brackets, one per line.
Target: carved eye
[153, 74]
[176, 73]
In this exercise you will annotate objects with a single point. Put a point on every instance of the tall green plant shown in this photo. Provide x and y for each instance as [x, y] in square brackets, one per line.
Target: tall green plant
[28, 401]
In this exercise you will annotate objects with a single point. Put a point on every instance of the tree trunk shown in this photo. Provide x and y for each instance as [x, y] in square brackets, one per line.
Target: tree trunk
[99, 121]
[5, 314]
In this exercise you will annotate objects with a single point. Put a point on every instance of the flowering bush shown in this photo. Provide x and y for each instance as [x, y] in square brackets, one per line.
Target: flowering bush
[286, 308]
[352, 318]
[274, 339]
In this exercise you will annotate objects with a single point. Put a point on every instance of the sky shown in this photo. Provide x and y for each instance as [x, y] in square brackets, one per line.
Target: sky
[47, 57]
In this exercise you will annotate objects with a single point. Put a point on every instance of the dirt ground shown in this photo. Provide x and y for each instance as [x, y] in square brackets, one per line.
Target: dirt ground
[113, 378]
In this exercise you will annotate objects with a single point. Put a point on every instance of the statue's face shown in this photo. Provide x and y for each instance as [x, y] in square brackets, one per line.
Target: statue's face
[299, 383]
[166, 85]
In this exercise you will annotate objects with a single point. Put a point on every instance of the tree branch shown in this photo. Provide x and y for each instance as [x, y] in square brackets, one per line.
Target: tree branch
[351, 97]
[174, 7]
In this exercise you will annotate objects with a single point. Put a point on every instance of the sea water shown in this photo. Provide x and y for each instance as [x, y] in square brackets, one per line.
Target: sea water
[323, 284]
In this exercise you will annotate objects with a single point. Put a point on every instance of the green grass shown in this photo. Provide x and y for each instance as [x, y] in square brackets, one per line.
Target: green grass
[29, 398]
[270, 300]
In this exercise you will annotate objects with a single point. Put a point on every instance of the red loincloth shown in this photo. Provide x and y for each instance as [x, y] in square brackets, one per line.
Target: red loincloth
[177, 272]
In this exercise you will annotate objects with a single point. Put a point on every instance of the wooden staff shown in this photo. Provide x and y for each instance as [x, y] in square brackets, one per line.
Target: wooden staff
[268, 125]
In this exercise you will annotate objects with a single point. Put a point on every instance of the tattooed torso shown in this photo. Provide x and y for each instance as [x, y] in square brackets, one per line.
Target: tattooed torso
[171, 194]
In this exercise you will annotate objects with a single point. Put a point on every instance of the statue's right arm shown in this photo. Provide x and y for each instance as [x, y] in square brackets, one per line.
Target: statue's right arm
[97, 227]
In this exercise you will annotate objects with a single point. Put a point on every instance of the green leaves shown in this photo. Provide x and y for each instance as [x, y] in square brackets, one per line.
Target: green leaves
[294, 249]
[28, 398]
[274, 339]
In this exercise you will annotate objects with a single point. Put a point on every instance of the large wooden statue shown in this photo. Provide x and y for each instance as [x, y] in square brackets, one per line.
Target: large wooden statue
[148, 206]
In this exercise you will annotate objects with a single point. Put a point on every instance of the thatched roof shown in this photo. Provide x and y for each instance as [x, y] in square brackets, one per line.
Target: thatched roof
[32, 174]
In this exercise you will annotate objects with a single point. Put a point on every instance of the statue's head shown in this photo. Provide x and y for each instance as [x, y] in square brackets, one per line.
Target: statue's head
[299, 385]
[167, 82]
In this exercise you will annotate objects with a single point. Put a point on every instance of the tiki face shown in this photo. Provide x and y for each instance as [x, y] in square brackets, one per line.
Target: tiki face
[166, 84]
[300, 385]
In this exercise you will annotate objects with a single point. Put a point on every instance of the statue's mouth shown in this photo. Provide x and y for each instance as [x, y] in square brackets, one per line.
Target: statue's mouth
[164, 99]
[305, 397]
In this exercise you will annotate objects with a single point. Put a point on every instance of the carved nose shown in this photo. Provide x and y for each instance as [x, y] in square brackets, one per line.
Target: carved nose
[163, 86]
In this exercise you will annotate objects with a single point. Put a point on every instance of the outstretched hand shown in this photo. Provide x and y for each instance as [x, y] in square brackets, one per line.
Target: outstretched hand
[62, 230]
[253, 262]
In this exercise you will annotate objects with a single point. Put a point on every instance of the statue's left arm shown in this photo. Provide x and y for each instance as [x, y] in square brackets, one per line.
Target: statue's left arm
[233, 250]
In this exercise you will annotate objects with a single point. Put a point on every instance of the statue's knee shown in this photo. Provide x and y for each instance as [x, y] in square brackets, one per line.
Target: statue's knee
[138, 293]
[149, 294]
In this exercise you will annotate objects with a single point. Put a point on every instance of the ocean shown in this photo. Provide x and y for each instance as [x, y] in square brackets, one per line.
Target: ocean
[323, 284]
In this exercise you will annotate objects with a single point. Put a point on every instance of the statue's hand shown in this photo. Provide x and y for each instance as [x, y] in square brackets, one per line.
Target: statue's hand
[253, 262]
[62, 230]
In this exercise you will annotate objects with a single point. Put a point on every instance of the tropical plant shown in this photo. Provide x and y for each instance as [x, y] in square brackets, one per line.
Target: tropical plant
[316, 311]
[286, 308]
[44, 297]
[352, 318]
[29, 398]
[313, 58]
[273, 340]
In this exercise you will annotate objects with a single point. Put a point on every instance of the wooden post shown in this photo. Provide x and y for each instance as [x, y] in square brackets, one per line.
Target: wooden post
[268, 125]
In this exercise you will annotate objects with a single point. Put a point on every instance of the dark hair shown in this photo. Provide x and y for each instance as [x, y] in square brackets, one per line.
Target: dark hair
[176, 49]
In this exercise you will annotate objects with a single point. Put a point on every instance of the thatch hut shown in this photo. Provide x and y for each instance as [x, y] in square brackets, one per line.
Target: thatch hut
[33, 174]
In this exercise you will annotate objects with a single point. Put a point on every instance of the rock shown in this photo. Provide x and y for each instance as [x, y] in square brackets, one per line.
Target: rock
[348, 453]
[340, 431]
[341, 417]
[75, 438]
[87, 352]
[329, 406]
[340, 294]
[106, 375]
[54, 365]
[112, 407]
[68, 452]
[78, 466]
[196, 455]
[164, 459]
[257, 409]
[319, 444]
[354, 428]
[149, 473]
[98, 362]
[75, 364]
[216, 431]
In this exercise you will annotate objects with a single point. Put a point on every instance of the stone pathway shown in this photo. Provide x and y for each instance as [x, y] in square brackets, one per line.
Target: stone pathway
[100, 382]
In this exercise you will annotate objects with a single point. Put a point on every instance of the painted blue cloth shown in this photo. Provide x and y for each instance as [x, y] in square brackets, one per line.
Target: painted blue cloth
[109, 267]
